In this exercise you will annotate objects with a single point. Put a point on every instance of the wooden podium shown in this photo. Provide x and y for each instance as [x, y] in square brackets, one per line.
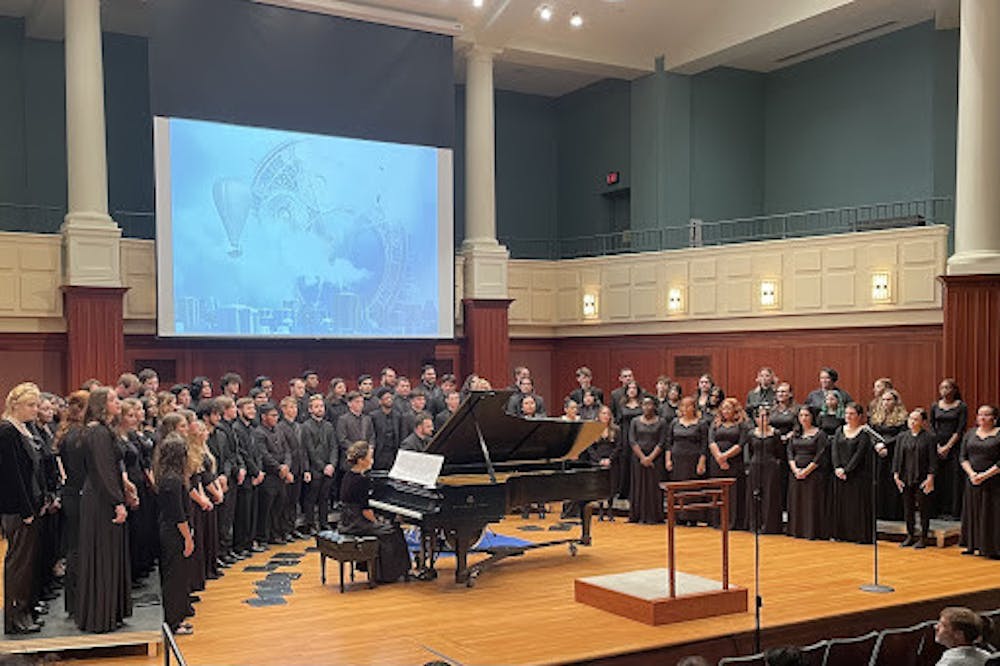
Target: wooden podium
[662, 596]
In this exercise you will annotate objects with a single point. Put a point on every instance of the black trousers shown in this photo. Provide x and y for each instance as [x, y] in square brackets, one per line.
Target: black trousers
[914, 500]
[268, 494]
[175, 576]
[317, 499]
[227, 518]
[290, 513]
[18, 569]
[245, 519]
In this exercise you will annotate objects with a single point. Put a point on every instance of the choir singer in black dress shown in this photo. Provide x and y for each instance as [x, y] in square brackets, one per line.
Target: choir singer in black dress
[913, 468]
[105, 583]
[807, 503]
[851, 452]
[980, 458]
[687, 447]
[356, 518]
[647, 438]
[764, 454]
[176, 539]
[726, 439]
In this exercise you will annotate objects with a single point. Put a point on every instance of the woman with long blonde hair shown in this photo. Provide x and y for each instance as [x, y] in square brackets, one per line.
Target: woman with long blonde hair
[21, 499]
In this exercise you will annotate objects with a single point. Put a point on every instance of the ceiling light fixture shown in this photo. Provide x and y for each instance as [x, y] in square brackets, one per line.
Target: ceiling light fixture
[576, 20]
[477, 3]
[545, 13]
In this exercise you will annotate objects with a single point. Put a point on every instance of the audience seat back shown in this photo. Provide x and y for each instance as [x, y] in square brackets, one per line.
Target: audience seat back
[752, 660]
[815, 654]
[851, 651]
[902, 647]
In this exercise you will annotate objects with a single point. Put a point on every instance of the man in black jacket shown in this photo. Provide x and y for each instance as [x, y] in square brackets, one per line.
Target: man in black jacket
[290, 434]
[389, 432]
[247, 490]
[320, 442]
[275, 461]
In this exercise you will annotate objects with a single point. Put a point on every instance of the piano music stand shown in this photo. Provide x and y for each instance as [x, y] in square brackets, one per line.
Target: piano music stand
[651, 596]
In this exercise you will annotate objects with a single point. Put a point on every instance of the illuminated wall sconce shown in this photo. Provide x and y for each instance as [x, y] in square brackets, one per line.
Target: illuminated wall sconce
[590, 306]
[675, 300]
[769, 293]
[881, 287]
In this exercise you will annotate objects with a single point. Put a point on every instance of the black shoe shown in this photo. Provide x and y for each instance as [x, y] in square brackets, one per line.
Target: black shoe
[969, 551]
[257, 548]
[28, 628]
[239, 556]
[40, 609]
[907, 542]
[921, 543]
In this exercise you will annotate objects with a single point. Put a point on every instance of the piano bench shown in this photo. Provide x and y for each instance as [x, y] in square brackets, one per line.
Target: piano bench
[349, 549]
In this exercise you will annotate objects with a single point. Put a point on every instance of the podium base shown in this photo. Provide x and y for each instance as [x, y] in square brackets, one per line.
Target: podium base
[643, 596]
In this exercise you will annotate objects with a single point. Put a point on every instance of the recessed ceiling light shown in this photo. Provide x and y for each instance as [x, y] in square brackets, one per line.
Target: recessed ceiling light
[576, 20]
[545, 13]
[477, 3]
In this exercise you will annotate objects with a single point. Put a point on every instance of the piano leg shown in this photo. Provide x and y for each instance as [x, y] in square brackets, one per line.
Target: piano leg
[586, 515]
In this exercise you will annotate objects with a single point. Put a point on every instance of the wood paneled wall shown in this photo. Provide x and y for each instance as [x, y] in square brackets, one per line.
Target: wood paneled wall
[910, 355]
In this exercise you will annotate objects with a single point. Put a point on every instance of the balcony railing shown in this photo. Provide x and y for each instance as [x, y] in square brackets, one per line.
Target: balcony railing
[697, 233]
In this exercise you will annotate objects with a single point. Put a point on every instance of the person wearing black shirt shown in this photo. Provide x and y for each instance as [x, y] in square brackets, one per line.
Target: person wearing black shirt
[949, 419]
[275, 468]
[176, 539]
[387, 421]
[290, 435]
[365, 387]
[762, 393]
[233, 466]
[827, 382]
[980, 458]
[320, 443]
[335, 404]
[297, 390]
[808, 516]
[851, 457]
[914, 466]
[20, 501]
[357, 518]
[525, 387]
[69, 444]
[451, 403]
[354, 426]
[246, 491]
[585, 378]
[421, 435]
[433, 392]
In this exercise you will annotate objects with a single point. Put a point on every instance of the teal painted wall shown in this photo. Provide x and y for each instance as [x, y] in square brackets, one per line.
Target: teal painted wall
[593, 130]
[13, 181]
[852, 127]
[727, 144]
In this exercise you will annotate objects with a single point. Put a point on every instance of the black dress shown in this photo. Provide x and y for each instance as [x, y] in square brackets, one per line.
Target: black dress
[829, 422]
[624, 421]
[949, 483]
[393, 555]
[852, 498]
[727, 437]
[608, 448]
[807, 498]
[783, 421]
[75, 465]
[686, 444]
[174, 567]
[104, 585]
[890, 504]
[645, 500]
[981, 509]
[765, 457]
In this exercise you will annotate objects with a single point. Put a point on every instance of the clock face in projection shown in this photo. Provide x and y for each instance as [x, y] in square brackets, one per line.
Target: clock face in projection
[310, 193]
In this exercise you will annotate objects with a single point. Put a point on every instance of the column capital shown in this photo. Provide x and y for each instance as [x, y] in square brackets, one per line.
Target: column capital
[974, 262]
[482, 53]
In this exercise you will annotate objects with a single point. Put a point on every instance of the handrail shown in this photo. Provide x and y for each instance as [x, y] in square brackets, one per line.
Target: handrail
[170, 647]
[699, 233]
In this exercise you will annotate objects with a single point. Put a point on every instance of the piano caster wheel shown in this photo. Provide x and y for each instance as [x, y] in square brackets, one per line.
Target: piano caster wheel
[572, 550]
[471, 580]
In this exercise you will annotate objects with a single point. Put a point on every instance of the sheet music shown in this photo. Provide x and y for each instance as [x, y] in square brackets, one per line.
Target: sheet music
[422, 469]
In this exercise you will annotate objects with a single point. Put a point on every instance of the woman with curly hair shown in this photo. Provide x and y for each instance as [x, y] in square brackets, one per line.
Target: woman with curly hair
[888, 419]
[726, 439]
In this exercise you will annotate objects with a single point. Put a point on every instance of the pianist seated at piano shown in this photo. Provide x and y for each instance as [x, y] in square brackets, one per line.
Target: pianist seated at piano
[358, 519]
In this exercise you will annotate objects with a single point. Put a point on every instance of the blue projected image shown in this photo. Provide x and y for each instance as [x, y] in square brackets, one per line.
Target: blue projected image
[278, 233]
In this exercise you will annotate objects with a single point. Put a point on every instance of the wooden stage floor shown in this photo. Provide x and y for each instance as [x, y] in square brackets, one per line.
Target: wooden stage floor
[523, 612]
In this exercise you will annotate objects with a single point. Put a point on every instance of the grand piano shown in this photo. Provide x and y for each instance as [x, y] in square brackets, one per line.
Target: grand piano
[493, 464]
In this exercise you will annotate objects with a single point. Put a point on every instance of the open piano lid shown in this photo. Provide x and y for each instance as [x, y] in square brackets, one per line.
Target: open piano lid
[508, 438]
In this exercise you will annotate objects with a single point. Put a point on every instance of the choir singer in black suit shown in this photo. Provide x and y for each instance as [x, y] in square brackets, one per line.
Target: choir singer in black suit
[914, 465]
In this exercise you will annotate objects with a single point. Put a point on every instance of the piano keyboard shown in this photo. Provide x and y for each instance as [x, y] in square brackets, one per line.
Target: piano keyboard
[395, 508]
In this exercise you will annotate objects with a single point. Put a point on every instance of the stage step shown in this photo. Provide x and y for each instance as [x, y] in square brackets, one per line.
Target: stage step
[944, 533]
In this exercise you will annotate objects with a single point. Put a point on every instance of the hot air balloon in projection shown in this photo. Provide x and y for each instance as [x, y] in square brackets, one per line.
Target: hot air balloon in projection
[232, 203]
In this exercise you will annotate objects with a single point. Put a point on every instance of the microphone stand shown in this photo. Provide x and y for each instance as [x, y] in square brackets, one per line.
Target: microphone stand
[875, 586]
[756, 473]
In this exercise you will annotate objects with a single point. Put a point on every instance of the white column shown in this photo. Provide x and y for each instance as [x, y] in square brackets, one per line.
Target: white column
[977, 195]
[90, 237]
[485, 259]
